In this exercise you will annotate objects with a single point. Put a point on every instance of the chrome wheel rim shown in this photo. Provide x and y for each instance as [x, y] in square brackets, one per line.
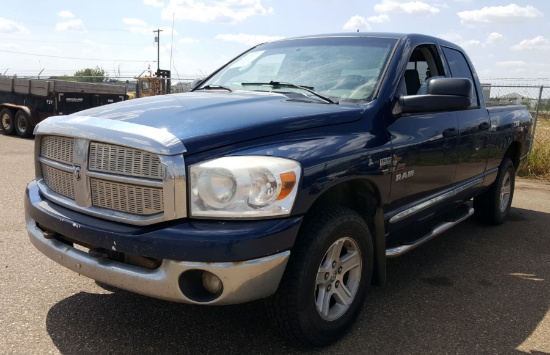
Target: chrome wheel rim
[6, 122]
[338, 279]
[505, 191]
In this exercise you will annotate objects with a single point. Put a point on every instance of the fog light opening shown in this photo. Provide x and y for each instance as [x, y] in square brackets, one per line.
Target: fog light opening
[211, 282]
[200, 286]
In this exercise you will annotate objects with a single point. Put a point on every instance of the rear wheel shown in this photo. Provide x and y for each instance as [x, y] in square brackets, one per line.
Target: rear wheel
[326, 280]
[7, 121]
[23, 125]
[493, 205]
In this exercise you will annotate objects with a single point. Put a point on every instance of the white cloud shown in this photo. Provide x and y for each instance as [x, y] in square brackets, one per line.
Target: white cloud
[357, 23]
[11, 27]
[9, 45]
[494, 38]
[133, 21]
[470, 43]
[47, 48]
[154, 3]
[378, 19]
[249, 40]
[65, 14]
[511, 64]
[188, 40]
[225, 11]
[139, 26]
[71, 25]
[537, 44]
[451, 37]
[499, 14]
[417, 8]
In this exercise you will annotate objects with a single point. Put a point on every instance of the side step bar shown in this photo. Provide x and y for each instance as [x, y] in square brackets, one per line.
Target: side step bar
[402, 249]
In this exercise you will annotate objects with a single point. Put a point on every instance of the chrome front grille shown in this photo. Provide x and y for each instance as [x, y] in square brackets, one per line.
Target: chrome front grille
[142, 200]
[126, 161]
[58, 148]
[59, 181]
[111, 181]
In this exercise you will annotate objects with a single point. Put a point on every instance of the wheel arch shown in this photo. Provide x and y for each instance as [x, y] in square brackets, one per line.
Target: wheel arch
[513, 153]
[362, 196]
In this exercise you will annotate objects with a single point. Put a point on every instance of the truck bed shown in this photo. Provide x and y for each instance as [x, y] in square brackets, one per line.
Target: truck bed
[44, 87]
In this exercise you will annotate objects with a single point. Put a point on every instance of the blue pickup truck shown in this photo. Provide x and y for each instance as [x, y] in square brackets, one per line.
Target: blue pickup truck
[289, 174]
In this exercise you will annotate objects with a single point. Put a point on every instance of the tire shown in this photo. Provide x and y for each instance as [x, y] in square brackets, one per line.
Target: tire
[493, 205]
[23, 125]
[7, 125]
[326, 280]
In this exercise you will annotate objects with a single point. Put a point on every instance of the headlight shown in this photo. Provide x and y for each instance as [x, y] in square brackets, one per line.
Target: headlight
[244, 186]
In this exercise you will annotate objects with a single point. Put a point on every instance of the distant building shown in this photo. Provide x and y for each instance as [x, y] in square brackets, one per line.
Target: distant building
[514, 99]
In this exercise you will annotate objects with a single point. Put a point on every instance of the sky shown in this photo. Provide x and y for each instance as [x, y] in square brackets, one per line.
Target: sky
[507, 41]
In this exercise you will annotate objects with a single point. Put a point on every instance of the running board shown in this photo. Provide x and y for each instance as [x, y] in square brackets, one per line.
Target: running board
[402, 249]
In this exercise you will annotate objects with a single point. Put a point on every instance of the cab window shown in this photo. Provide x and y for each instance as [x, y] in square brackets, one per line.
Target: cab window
[460, 69]
[423, 64]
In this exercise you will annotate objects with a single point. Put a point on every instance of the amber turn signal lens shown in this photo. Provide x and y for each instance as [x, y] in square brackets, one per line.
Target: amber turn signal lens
[288, 181]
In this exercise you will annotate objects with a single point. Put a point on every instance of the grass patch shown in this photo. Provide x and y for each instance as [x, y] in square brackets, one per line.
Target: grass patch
[537, 164]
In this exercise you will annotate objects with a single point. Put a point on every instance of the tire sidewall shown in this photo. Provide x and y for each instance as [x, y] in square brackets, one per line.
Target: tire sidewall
[506, 167]
[11, 129]
[487, 205]
[20, 115]
[320, 329]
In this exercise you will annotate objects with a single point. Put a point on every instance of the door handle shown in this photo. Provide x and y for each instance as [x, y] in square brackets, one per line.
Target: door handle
[484, 126]
[450, 132]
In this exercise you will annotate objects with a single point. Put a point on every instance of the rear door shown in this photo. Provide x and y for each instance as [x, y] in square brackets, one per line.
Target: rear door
[473, 124]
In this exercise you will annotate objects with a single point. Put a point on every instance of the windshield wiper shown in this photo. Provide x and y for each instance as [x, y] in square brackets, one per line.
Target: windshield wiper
[215, 87]
[282, 84]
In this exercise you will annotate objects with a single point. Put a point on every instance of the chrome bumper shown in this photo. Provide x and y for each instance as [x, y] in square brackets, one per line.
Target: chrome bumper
[242, 281]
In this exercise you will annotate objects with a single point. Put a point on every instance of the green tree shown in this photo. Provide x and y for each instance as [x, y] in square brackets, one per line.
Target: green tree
[96, 75]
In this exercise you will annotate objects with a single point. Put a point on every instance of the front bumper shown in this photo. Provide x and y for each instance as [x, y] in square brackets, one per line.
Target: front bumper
[242, 282]
[177, 278]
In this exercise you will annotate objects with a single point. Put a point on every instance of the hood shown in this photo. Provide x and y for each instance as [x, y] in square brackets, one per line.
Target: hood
[206, 120]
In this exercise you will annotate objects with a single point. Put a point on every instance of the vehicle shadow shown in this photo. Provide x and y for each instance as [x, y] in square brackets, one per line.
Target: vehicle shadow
[475, 289]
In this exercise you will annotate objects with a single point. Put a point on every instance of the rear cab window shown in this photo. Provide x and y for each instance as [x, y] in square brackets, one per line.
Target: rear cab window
[460, 69]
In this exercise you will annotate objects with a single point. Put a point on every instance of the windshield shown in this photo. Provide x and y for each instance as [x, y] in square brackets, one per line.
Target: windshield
[342, 68]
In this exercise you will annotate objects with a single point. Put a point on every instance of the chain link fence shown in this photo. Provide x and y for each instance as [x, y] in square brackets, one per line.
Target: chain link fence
[537, 100]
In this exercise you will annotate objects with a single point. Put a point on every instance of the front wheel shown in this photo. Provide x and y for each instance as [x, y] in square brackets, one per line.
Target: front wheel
[326, 280]
[493, 205]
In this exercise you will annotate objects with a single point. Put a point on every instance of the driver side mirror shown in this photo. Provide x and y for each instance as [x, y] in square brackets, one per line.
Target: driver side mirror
[442, 94]
[196, 83]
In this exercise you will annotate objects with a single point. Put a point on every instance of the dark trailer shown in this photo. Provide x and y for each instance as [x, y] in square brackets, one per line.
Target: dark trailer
[25, 102]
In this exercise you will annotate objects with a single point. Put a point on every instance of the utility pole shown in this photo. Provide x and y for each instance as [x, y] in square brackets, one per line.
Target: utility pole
[157, 39]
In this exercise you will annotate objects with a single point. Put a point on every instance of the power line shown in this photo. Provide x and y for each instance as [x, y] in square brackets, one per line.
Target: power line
[76, 58]
[74, 42]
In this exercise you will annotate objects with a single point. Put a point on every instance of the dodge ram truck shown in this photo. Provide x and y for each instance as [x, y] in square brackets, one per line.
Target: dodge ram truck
[289, 174]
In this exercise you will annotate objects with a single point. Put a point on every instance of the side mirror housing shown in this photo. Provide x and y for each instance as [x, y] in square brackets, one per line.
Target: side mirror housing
[196, 83]
[442, 94]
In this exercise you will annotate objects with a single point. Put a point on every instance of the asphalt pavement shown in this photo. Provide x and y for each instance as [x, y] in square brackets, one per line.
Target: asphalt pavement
[475, 289]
